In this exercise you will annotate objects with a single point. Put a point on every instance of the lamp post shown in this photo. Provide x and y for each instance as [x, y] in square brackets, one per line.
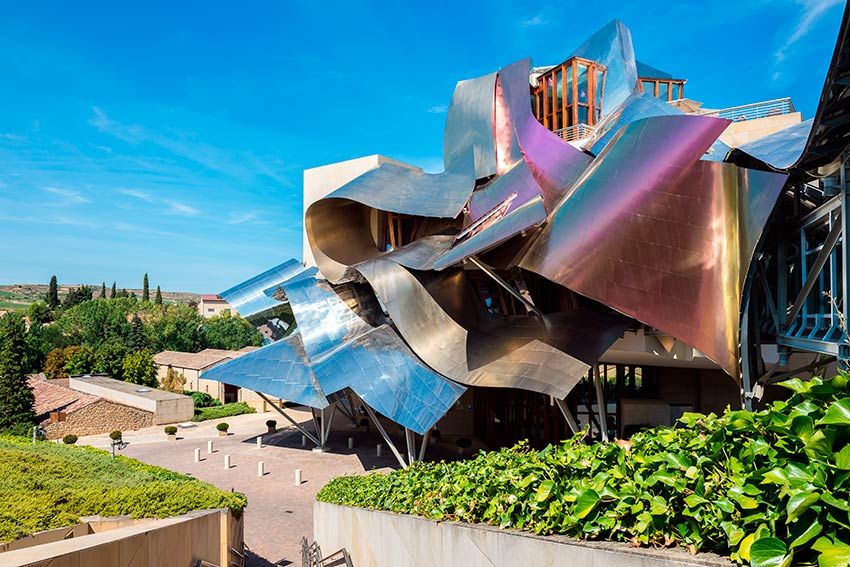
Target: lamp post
[119, 444]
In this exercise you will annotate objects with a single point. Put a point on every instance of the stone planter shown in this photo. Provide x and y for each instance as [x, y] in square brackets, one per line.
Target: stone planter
[171, 437]
[222, 433]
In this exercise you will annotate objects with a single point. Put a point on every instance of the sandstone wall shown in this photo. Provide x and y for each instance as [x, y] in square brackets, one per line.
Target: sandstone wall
[100, 417]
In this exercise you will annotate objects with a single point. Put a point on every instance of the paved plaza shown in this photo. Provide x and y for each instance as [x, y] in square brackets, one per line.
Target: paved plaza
[279, 513]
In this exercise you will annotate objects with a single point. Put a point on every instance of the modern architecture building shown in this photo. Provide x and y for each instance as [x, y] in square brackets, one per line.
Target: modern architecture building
[599, 249]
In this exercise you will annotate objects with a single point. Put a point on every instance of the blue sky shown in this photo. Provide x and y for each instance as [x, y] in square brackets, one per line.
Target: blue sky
[170, 137]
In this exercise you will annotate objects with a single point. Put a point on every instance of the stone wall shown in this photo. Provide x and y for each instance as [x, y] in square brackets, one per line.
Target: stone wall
[100, 417]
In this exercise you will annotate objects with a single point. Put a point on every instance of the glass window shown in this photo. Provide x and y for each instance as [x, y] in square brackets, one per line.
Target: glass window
[600, 82]
[582, 114]
[581, 83]
[649, 87]
[559, 89]
[548, 101]
[569, 85]
[663, 90]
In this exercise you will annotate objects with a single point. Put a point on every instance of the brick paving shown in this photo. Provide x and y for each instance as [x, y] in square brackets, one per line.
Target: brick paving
[279, 513]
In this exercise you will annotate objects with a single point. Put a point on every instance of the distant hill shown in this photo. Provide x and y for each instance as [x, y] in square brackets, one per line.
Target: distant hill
[15, 297]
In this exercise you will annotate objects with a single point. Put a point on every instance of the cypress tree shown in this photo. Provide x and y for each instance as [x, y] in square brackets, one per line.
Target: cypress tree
[53, 293]
[103, 290]
[158, 297]
[16, 397]
[137, 334]
[146, 292]
[114, 293]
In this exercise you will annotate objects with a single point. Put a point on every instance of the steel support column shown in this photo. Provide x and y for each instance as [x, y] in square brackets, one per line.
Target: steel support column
[306, 433]
[568, 415]
[505, 285]
[386, 437]
[600, 402]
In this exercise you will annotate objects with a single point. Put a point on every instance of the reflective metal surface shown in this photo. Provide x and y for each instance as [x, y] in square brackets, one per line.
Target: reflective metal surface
[660, 235]
[249, 298]
[636, 107]
[782, 149]
[280, 369]
[469, 125]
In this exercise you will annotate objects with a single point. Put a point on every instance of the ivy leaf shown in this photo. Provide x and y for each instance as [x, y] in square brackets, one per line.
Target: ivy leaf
[838, 413]
[832, 554]
[544, 490]
[586, 502]
[808, 535]
[799, 503]
[842, 458]
[818, 445]
[796, 385]
[770, 552]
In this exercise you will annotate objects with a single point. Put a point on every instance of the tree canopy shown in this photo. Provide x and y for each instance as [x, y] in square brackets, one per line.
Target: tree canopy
[230, 332]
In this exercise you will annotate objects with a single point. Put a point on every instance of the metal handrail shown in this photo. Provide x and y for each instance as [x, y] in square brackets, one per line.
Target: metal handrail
[575, 132]
[754, 110]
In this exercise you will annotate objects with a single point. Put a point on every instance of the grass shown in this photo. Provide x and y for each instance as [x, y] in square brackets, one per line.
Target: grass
[48, 485]
[226, 410]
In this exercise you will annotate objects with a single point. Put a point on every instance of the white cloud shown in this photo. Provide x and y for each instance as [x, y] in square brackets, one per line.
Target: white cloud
[812, 10]
[241, 218]
[141, 195]
[438, 109]
[181, 209]
[67, 195]
[537, 20]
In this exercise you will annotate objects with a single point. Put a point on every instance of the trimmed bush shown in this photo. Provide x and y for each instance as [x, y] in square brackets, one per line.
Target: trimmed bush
[218, 412]
[202, 399]
[115, 435]
[271, 423]
[48, 485]
[768, 488]
[223, 426]
[171, 430]
[69, 439]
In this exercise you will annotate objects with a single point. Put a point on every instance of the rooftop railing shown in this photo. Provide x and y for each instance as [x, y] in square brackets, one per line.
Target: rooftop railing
[575, 132]
[754, 110]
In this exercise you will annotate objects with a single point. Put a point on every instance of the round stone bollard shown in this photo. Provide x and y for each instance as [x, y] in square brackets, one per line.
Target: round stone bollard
[210, 450]
[259, 442]
[227, 461]
[351, 442]
[297, 477]
[379, 450]
[303, 440]
[261, 469]
[197, 455]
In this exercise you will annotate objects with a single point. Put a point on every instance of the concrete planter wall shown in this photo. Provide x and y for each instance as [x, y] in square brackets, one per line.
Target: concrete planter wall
[383, 539]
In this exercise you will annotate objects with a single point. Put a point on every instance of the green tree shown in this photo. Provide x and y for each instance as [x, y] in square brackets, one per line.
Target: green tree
[93, 322]
[173, 381]
[109, 358]
[39, 313]
[175, 327]
[230, 332]
[146, 290]
[158, 297]
[102, 291]
[79, 359]
[41, 339]
[16, 397]
[138, 341]
[113, 293]
[54, 366]
[77, 295]
[139, 368]
[53, 293]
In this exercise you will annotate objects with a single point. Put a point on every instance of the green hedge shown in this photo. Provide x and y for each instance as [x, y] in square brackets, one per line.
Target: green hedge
[768, 488]
[49, 485]
[226, 410]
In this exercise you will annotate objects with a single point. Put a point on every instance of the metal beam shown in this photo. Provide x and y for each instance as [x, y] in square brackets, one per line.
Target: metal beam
[505, 285]
[815, 270]
[600, 402]
[410, 441]
[425, 440]
[568, 415]
[306, 433]
[383, 433]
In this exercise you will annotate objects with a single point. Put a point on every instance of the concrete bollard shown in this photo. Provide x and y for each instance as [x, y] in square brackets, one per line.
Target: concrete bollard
[379, 450]
[260, 442]
[227, 461]
[210, 450]
[197, 455]
[303, 440]
[261, 470]
[351, 442]
[297, 477]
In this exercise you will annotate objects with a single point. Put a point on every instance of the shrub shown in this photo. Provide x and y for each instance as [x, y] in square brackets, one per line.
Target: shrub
[173, 381]
[271, 423]
[69, 439]
[139, 368]
[226, 410]
[115, 435]
[49, 485]
[202, 399]
[768, 488]
[223, 426]
[170, 430]
[54, 366]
